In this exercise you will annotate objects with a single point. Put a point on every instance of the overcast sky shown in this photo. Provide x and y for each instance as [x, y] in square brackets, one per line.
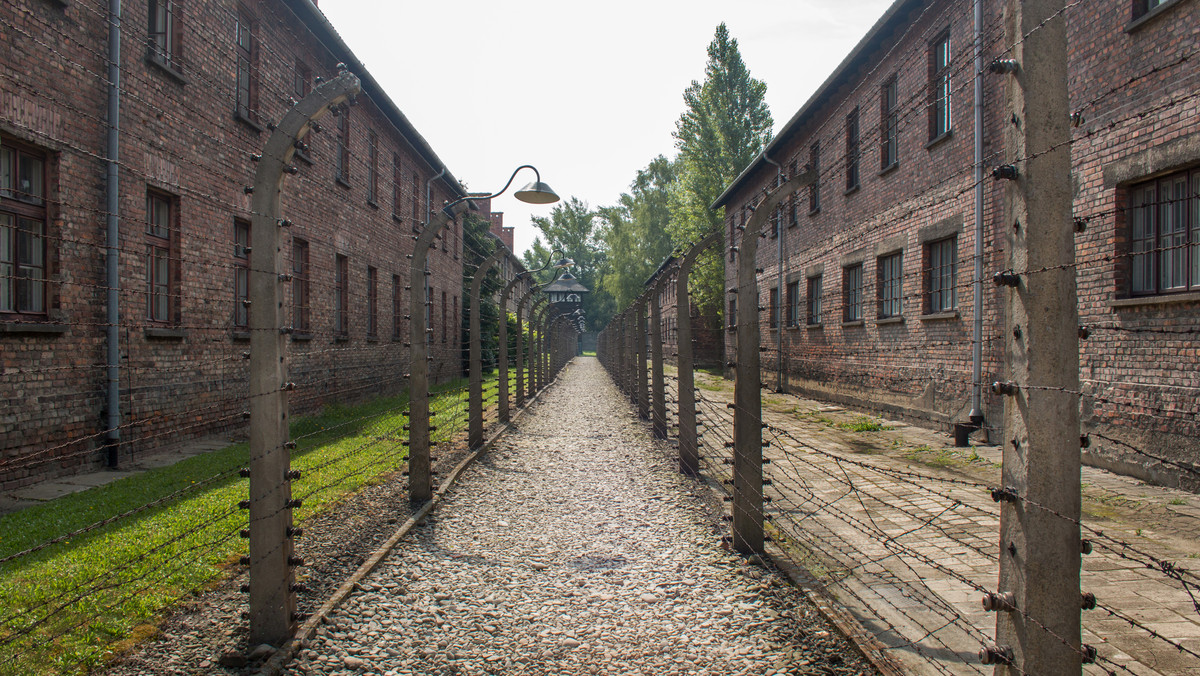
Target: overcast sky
[587, 92]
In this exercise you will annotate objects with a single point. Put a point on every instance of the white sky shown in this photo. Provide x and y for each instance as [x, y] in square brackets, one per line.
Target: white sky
[586, 92]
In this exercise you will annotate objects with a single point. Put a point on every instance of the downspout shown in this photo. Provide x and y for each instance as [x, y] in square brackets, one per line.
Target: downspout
[779, 284]
[976, 414]
[429, 215]
[112, 434]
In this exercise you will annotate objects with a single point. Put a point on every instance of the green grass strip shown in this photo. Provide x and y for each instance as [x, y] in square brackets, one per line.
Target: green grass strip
[159, 536]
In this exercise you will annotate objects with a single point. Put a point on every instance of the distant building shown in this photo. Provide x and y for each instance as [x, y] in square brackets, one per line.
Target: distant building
[866, 276]
[496, 218]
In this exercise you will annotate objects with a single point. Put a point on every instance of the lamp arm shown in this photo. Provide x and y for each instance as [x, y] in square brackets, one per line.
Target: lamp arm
[501, 191]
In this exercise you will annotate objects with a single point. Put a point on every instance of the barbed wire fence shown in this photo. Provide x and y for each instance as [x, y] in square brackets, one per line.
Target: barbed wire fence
[914, 553]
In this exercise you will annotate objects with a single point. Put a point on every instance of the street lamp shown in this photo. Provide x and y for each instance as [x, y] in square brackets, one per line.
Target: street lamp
[420, 476]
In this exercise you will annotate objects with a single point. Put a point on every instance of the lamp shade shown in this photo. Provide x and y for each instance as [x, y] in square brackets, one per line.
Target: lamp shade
[537, 193]
[564, 263]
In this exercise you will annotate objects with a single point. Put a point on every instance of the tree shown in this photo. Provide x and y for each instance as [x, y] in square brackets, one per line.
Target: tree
[477, 246]
[574, 229]
[636, 236]
[726, 124]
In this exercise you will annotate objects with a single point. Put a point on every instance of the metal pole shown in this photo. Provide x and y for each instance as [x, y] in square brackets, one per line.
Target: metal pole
[1039, 515]
[658, 394]
[272, 596]
[689, 450]
[475, 357]
[748, 515]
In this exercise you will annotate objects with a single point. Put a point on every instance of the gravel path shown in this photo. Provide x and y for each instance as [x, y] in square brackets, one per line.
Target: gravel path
[574, 547]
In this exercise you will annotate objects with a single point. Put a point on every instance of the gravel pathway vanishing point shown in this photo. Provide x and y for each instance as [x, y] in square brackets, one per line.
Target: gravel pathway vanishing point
[574, 547]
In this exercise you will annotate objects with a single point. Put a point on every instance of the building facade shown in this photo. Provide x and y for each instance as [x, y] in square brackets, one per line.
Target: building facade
[201, 83]
[867, 277]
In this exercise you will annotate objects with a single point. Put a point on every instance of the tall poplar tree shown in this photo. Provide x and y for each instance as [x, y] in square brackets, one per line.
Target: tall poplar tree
[636, 234]
[726, 124]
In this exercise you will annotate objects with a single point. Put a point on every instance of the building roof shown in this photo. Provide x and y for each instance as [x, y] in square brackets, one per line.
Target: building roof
[565, 284]
[314, 19]
[896, 16]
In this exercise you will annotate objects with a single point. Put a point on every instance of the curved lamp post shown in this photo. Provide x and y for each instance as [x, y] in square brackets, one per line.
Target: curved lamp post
[420, 477]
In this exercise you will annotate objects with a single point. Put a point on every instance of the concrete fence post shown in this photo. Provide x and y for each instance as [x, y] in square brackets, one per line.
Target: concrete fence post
[475, 356]
[1040, 511]
[748, 536]
[272, 589]
[689, 449]
[641, 337]
[519, 376]
[502, 394]
[658, 388]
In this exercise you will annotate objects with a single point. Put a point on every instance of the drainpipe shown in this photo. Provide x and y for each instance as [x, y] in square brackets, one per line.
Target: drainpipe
[112, 434]
[976, 414]
[779, 285]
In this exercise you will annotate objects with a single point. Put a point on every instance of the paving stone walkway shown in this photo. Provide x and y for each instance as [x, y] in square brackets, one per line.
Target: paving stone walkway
[574, 547]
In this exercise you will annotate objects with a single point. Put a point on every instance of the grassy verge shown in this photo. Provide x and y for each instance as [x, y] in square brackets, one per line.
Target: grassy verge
[64, 607]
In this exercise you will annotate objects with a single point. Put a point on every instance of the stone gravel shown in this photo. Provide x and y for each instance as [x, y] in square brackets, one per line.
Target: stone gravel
[574, 547]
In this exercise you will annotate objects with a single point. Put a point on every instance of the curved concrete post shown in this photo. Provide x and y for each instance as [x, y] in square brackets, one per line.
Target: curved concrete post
[502, 365]
[475, 357]
[658, 397]
[535, 335]
[689, 449]
[640, 332]
[520, 374]
[747, 416]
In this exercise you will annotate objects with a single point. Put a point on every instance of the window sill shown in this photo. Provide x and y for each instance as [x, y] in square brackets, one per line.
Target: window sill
[939, 316]
[397, 219]
[814, 212]
[1149, 16]
[301, 337]
[33, 328]
[342, 182]
[939, 139]
[372, 339]
[166, 68]
[812, 327]
[258, 128]
[793, 327]
[397, 339]
[239, 335]
[165, 333]
[301, 155]
[853, 323]
[884, 321]
[851, 190]
[341, 339]
[1164, 299]
[373, 204]
[889, 169]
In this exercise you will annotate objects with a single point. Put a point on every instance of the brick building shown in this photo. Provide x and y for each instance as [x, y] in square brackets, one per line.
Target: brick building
[706, 329]
[867, 277]
[201, 82]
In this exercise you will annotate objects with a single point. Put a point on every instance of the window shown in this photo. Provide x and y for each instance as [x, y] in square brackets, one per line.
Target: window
[852, 150]
[161, 220]
[889, 125]
[943, 264]
[163, 43]
[341, 296]
[455, 322]
[731, 318]
[301, 79]
[22, 231]
[397, 182]
[372, 303]
[890, 285]
[939, 86]
[773, 307]
[793, 209]
[241, 273]
[852, 292]
[247, 72]
[445, 329]
[1143, 7]
[793, 303]
[1164, 234]
[300, 292]
[372, 168]
[814, 190]
[396, 308]
[342, 152]
[814, 300]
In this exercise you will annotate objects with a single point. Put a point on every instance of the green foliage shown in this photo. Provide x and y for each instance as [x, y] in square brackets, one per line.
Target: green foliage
[575, 229]
[636, 234]
[726, 124]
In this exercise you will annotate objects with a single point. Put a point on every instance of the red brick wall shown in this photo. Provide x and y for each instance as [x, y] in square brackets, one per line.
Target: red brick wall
[179, 135]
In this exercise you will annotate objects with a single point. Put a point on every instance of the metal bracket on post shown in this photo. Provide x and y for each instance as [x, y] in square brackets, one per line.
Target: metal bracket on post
[689, 451]
[747, 416]
[272, 598]
[474, 357]
[1040, 553]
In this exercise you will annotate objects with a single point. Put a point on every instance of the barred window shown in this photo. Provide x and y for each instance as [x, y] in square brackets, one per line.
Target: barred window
[241, 273]
[939, 86]
[814, 300]
[942, 268]
[23, 222]
[852, 292]
[890, 285]
[1164, 234]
